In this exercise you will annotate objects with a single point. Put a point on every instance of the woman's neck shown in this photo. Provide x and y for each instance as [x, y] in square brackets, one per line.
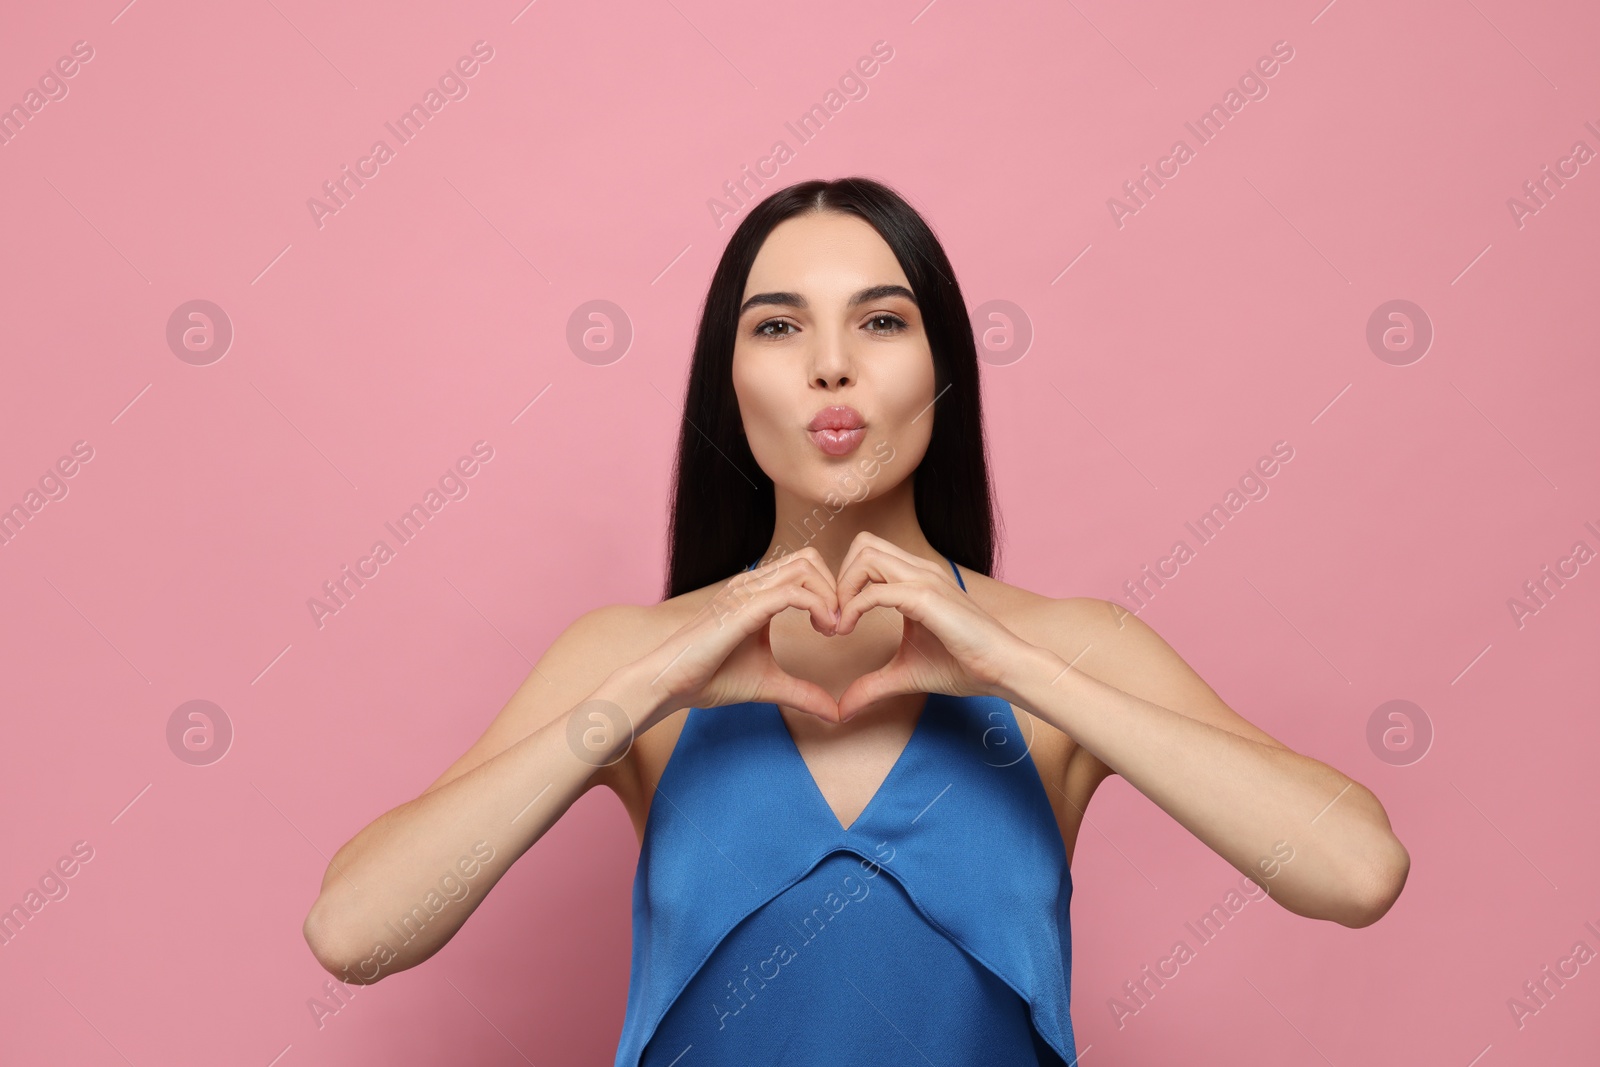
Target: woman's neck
[830, 528]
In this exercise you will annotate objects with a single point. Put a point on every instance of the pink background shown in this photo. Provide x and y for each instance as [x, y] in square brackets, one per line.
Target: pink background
[1168, 354]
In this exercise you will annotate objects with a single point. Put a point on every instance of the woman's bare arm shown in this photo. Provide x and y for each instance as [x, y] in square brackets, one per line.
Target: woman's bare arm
[1112, 683]
[402, 887]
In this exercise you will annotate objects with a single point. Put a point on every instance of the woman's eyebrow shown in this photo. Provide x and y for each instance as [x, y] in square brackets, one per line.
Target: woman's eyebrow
[795, 300]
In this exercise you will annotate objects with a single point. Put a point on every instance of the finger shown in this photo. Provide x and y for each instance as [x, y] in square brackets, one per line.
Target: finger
[868, 540]
[873, 564]
[810, 573]
[911, 626]
[755, 602]
[766, 604]
[805, 556]
[869, 689]
[819, 576]
[805, 566]
[862, 541]
[792, 692]
[909, 598]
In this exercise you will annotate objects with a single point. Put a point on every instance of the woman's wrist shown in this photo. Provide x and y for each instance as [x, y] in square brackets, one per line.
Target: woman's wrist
[637, 693]
[1027, 671]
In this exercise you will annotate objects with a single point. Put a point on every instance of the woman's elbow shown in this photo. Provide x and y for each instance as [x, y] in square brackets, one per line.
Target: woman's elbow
[333, 952]
[1380, 888]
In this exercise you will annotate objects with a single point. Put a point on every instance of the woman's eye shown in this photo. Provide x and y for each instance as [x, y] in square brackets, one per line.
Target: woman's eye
[883, 323]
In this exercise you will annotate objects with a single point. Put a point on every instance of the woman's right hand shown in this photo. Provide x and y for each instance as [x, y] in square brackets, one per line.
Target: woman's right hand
[724, 654]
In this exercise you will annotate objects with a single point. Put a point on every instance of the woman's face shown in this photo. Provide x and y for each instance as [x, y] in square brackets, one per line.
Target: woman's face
[830, 338]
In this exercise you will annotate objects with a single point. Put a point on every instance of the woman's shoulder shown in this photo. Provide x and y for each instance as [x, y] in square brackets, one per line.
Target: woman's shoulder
[606, 638]
[623, 632]
[583, 655]
[610, 637]
[1016, 606]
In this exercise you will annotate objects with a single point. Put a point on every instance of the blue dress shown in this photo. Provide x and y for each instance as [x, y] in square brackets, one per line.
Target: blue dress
[932, 930]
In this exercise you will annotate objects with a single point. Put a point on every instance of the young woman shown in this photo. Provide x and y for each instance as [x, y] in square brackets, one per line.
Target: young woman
[856, 763]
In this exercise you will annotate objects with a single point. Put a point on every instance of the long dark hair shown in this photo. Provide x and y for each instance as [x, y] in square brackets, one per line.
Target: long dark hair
[723, 506]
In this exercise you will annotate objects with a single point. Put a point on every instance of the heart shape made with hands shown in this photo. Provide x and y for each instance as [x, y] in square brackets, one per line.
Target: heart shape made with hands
[947, 643]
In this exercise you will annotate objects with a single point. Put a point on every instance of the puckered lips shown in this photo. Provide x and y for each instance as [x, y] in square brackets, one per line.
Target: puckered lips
[837, 430]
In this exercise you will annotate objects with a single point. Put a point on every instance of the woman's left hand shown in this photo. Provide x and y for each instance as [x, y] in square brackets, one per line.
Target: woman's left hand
[948, 643]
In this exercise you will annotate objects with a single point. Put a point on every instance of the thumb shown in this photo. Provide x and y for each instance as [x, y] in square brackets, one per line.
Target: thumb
[870, 688]
[791, 692]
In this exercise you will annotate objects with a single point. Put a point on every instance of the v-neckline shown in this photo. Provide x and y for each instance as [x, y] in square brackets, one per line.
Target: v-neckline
[883, 786]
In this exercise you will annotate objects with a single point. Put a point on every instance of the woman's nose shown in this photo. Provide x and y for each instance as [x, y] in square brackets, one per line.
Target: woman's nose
[832, 364]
